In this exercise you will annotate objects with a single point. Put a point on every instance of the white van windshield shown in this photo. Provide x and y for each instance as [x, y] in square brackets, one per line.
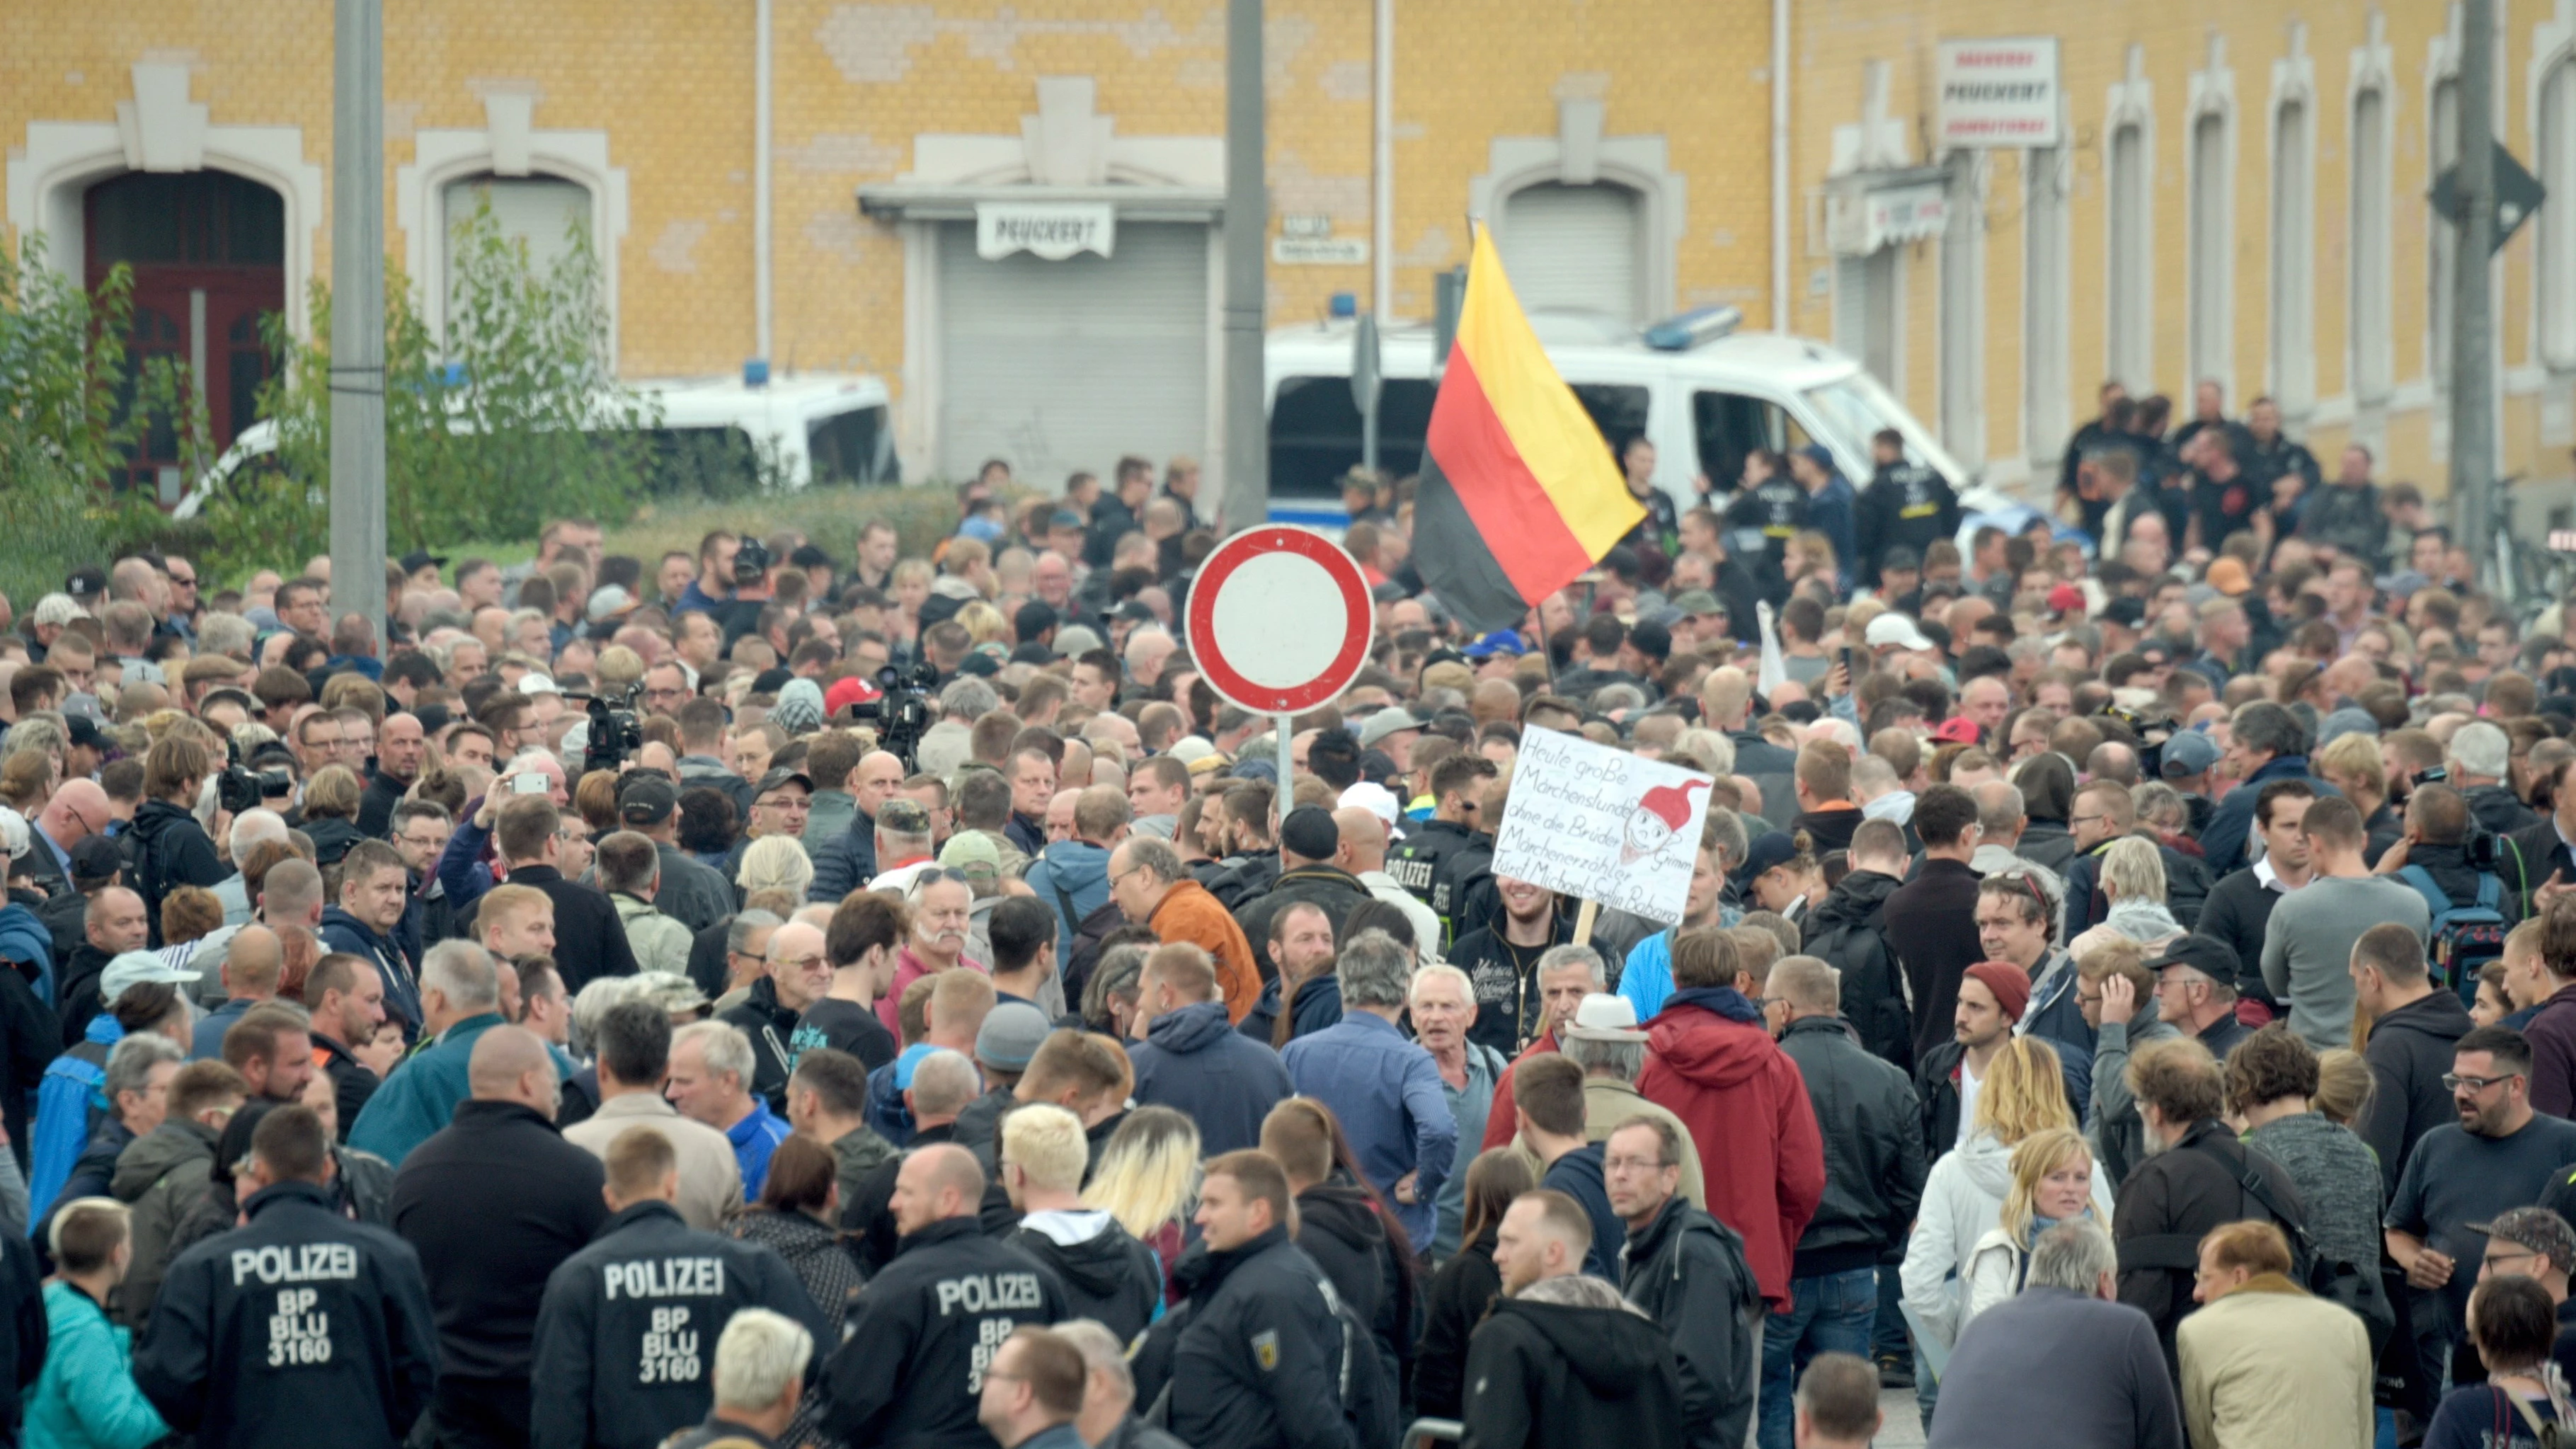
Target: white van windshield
[1850, 410]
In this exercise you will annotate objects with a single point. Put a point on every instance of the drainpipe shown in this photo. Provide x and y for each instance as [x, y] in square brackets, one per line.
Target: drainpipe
[760, 278]
[1382, 207]
[1780, 198]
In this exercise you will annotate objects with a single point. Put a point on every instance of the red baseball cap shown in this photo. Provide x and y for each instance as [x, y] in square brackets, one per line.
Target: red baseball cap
[853, 690]
[1958, 731]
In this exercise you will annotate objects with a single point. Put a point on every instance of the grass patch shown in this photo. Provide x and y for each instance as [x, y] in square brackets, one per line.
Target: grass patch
[830, 517]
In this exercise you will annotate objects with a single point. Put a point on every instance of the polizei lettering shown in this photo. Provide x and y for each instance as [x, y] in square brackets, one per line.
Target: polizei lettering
[305, 1263]
[666, 1278]
[988, 1293]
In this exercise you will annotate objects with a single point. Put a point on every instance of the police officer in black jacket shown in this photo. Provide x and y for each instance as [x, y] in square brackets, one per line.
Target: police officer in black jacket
[626, 1336]
[1436, 858]
[302, 1329]
[1254, 1359]
[1906, 504]
[909, 1373]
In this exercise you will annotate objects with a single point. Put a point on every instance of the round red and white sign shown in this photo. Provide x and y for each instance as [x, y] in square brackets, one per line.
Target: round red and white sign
[1279, 620]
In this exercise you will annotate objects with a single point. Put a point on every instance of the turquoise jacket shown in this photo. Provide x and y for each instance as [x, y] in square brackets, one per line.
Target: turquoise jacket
[421, 1095]
[87, 1398]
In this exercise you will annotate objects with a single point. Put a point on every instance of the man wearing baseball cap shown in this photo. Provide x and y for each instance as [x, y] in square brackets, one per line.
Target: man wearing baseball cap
[1605, 1040]
[2196, 991]
[2536, 1243]
[692, 893]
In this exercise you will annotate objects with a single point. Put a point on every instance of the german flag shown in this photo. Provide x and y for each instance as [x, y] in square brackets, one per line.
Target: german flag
[1518, 493]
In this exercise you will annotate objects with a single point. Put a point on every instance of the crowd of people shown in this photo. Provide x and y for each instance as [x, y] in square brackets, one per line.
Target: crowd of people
[2126, 990]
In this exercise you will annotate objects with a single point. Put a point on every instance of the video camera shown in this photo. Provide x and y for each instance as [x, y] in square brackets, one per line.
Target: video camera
[902, 711]
[751, 562]
[615, 732]
[239, 787]
[2152, 731]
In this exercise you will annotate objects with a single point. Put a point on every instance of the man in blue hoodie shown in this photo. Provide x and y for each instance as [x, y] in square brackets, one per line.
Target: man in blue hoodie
[1193, 1061]
[1072, 876]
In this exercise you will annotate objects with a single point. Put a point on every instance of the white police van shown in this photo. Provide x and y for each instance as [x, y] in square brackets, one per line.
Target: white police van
[1704, 392]
[833, 427]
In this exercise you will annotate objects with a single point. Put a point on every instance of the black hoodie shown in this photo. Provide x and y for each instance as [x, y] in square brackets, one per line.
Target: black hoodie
[1108, 1276]
[1846, 931]
[1556, 1376]
[170, 849]
[1339, 1226]
[2409, 1052]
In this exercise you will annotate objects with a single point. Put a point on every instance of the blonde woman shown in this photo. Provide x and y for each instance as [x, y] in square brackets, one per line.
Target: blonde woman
[1963, 1198]
[1148, 1179]
[2133, 879]
[911, 580]
[2052, 1182]
[777, 862]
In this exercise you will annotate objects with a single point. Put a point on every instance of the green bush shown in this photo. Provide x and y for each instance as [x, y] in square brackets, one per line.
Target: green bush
[516, 417]
[72, 411]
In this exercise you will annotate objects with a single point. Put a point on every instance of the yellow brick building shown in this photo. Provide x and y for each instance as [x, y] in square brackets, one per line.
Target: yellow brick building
[1625, 153]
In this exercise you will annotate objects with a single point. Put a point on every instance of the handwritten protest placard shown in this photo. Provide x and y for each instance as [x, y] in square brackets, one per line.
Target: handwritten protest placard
[1596, 824]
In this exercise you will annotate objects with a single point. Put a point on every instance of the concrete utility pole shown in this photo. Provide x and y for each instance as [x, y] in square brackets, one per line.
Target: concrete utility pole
[2473, 379]
[1247, 280]
[358, 313]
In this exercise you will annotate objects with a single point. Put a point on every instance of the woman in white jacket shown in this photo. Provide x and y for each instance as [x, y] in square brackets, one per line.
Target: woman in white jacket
[1963, 1198]
[2052, 1182]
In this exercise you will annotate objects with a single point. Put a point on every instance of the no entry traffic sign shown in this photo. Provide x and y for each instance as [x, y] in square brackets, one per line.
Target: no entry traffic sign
[1279, 620]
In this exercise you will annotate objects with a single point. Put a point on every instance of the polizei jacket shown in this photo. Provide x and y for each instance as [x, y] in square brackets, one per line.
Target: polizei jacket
[626, 1336]
[921, 1334]
[302, 1330]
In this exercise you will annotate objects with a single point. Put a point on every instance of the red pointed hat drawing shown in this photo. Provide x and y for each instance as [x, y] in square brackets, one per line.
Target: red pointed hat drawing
[1671, 804]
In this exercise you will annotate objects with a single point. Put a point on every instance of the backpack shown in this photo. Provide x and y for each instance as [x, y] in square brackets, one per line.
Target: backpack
[2354, 1286]
[2552, 1435]
[2462, 938]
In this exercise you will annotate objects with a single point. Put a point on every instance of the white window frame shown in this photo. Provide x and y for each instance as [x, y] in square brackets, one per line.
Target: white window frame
[2209, 258]
[1959, 323]
[507, 146]
[2132, 104]
[1581, 153]
[2292, 374]
[2047, 372]
[2370, 354]
[2553, 274]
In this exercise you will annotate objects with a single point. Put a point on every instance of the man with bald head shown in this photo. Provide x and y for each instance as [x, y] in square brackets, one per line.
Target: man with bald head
[627, 1328]
[920, 1339]
[77, 811]
[400, 747]
[487, 1270]
[113, 924]
[252, 963]
[1363, 854]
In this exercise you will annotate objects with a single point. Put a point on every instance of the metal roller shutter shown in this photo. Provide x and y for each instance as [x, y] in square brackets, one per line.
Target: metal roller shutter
[1066, 365]
[1574, 249]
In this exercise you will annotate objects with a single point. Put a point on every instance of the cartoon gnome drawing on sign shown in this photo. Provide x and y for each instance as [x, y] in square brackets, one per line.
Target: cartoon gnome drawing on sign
[1660, 814]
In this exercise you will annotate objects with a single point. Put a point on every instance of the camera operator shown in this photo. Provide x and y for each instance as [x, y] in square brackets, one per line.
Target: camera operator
[755, 586]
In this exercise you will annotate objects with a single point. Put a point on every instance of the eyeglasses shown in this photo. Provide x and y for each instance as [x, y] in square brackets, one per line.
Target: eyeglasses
[799, 963]
[2494, 1258]
[2453, 1081]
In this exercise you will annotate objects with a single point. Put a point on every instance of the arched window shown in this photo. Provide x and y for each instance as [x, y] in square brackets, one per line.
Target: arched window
[2212, 330]
[545, 214]
[2372, 363]
[2294, 245]
[2556, 279]
[1576, 248]
[2046, 418]
[2132, 259]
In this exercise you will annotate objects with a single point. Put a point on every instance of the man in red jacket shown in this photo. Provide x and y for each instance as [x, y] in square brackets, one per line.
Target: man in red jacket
[1713, 1064]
